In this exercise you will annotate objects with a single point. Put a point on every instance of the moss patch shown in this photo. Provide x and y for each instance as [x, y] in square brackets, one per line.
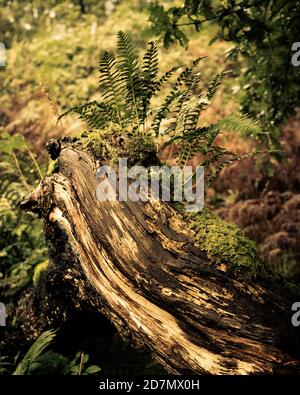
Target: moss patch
[225, 245]
[110, 144]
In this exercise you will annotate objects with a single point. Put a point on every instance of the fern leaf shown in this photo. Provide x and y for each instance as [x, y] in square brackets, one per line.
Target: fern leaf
[97, 115]
[240, 123]
[227, 163]
[150, 63]
[109, 81]
[34, 352]
[129, 70]
[165, 77]
[183, 78]
[149, 76]
[215, 83]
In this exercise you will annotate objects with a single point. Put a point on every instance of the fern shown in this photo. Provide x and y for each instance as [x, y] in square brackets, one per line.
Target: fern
[240, 123]
[149, 83]
[129, 71]
[175, 96]
[34, 353]
[128, 84]
[96, 115]
[109, 82]
[215, 83]
[222, 165]
[39, 361]
[165, 77]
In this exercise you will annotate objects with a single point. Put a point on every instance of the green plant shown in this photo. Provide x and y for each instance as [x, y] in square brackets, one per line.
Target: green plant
[34, 355]
[127, 85]
[263, 33]
[22, 245]
[17, 23]
[77, 365]
[226, 245]
[39, 361]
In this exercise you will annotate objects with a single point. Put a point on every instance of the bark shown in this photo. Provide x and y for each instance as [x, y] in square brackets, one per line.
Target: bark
[142, 270]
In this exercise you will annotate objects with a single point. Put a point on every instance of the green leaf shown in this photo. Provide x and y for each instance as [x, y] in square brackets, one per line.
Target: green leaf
[6, 147]
[34, 352]
[93, 369]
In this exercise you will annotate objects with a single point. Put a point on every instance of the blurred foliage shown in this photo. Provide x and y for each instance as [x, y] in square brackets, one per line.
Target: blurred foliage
[263, 32]
[22, 245]
[22, 20]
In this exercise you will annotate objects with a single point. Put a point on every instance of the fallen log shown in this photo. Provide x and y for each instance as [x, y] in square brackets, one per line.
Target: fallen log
[158, 286]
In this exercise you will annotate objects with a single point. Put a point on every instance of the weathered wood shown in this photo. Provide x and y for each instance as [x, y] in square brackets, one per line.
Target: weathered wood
[156, 286]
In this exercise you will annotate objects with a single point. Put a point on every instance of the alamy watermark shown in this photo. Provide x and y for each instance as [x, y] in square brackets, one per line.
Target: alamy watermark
[158, 182]
[296, 56]
[2, 55]
[2, 314]
[296, 316]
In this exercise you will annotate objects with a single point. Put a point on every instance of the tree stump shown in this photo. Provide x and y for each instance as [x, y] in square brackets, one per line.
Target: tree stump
[156, 286]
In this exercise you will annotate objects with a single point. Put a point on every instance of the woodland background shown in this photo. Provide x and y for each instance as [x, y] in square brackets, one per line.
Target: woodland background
[53, 53]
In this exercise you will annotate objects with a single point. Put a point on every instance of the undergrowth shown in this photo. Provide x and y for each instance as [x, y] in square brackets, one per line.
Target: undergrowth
[22, 245]
[40, 360]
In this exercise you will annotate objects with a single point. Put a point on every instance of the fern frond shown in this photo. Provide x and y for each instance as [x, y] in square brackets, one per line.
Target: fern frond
[149, 76]
[215, 83]
[35, 352]
[150, 63]
[185, 77]
[129, 70]
[240, 123]
[109, 82]
[165, 77]
[79, 109]
[234, 158]
[96, 115]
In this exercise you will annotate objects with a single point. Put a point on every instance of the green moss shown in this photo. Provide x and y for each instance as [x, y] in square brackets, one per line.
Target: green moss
[225, 244]
[38, 271]
[141, 150]
[115, 142]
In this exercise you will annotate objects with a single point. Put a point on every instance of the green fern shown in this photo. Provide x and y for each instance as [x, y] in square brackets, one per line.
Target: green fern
[34, 353]
[149, 83]
[129, 72]
[110, 82]
[39, 361]
[127, 85]
[177, 97]
[240, 123]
